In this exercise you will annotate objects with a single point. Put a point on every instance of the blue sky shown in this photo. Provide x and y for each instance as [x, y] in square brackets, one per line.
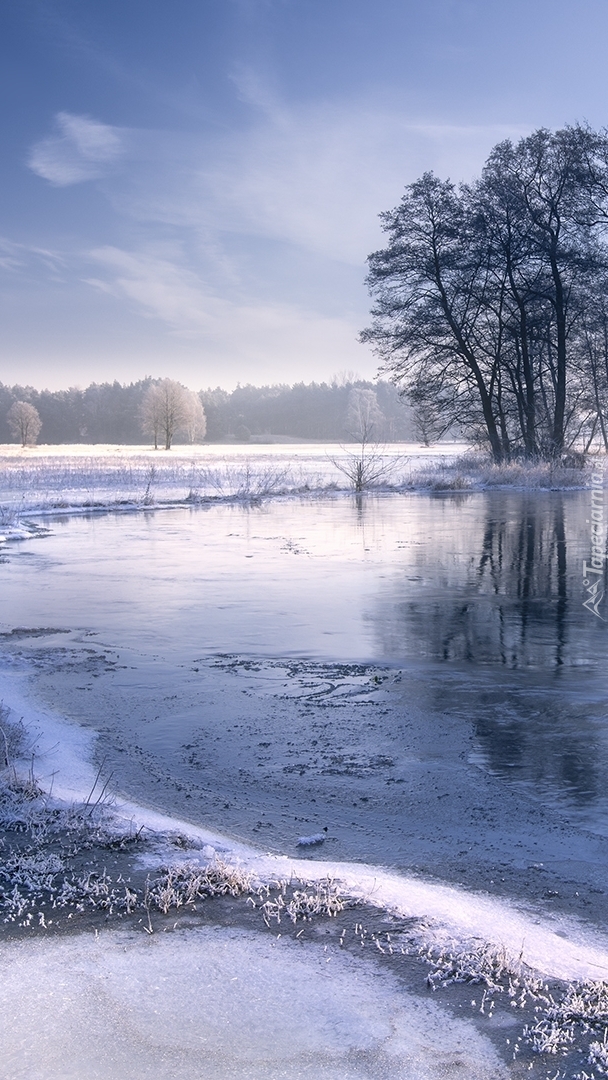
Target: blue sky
[190, 188]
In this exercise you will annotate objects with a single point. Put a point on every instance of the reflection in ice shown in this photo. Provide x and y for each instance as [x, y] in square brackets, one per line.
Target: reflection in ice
[477, 598]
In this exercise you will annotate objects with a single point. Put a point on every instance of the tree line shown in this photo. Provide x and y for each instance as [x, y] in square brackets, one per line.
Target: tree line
[491, 298]
[164, 411]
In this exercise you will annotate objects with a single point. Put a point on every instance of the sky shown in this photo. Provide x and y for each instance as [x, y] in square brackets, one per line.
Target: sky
[191, 189]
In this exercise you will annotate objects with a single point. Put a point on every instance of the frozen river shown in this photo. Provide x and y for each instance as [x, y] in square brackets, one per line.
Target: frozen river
[317, 662]
[414, 676]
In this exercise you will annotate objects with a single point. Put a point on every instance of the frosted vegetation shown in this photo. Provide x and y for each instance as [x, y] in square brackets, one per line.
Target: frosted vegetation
[90, 478]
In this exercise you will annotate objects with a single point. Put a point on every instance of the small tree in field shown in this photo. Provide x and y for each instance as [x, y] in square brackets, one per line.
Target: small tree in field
[24, 422]
[165, 409]
[368, 465]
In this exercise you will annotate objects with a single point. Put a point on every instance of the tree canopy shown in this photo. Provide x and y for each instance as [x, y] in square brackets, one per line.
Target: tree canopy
[490, 298]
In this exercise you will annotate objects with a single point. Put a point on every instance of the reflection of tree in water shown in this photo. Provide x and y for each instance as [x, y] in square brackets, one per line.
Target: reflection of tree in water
[498, 596]
[512, 603]
[523, 564]
[536, 738]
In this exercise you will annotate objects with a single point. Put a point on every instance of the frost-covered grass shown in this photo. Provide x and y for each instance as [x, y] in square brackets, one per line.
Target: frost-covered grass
[63, 483]
[570, 1020]
[317, 898]
[475, 471]
[53, 479]
[16, 785]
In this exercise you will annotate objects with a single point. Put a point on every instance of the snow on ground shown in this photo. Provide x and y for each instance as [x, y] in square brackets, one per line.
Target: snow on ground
[219, 1003]
[212, 451]
[64, 478]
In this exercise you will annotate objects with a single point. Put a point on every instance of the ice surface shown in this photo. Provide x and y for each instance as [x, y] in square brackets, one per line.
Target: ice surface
[62, 751]
[127, 1006]
[556, 946]
[219, 1003]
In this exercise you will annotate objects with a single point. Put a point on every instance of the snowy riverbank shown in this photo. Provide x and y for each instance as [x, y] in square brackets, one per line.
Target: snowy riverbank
[111, 963]
[69, 479]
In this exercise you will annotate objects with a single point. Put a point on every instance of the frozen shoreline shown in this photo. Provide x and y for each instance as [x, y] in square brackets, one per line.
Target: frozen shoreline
[355, 1015]
[43, 481]
[559, 947]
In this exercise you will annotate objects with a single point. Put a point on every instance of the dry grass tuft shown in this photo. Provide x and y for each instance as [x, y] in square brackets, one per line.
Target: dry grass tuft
[317, 898]
[184, 884]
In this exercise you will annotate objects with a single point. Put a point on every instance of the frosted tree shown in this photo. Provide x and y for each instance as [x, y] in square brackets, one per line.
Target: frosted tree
[166, 409]
[364, 417]
[195, 424]
[24, 422]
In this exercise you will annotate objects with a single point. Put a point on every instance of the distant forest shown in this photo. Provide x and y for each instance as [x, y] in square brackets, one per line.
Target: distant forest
[111, 412]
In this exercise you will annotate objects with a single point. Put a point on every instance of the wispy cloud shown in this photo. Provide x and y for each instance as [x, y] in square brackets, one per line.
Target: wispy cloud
[249, 246]
[19, 258]
[246, 337]
[314, 176]
[81, 149]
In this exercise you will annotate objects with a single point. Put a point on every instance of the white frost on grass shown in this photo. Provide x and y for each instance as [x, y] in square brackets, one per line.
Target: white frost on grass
[219, 1003]
[72, 479]
[65, 479]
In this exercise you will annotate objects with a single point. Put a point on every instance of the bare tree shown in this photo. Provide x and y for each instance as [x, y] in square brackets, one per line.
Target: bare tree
[165, 410]
[481, 292]
[368, 464]
[24, 422]
[195, 423]
[430, 316]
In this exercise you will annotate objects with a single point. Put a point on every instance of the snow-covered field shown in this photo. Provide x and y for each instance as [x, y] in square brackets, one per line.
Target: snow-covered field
[63, 477]
[68, 478]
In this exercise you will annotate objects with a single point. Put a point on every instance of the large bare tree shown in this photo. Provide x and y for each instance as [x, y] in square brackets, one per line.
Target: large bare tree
[482, 293]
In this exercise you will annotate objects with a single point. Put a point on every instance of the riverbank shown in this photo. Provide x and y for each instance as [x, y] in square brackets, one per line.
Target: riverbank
[114, 873]
[71, 479]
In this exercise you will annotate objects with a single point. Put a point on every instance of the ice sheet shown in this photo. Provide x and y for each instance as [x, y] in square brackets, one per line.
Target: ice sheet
[219, 1003]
